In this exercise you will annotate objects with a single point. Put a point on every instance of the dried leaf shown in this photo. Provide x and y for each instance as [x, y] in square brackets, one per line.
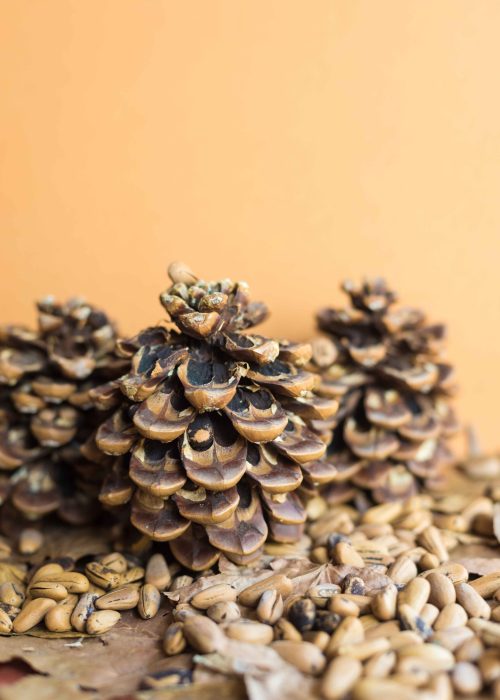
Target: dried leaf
[113, 664]
[42, 632]
[42, 688]
[477, 558]
[480, 565]
[305, 574]
[282, 684]
[266, 675]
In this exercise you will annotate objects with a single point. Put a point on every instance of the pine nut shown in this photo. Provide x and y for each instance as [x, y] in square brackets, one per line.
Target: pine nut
[72, 581]
[82, 611]
[452, 570]
[102, 621]
[213, 594]
[157, 572]
[340, 677]
[102, 576]
[135, 573]
[403, 570]
[431, 540]
[442, 590]
[344, 553]
[250, 631]
[452, 637]
[149, 601]
[383, 604]
[471, 601]
[431, 656]
[32, 613]
[284, 630]
[380, 665]
[429, 614]
[124, 598]
[384, 513]
[44, 572]
[364, 650]
[30, 541]
[224, 612]
[5, 623]
[115, 561]
[466, 678]
[58, 618]
[343, 606]
[303, 655]
[270, 607]
[452, 615]
[321, 593]
[173, 639]
[487, 585]
[415, 594]
[349, 632]
[203, 634]
[11, 594]
[320, 639]
[250, 595]
[470, 650]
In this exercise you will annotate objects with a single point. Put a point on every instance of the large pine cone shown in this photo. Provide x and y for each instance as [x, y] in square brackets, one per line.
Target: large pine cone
[45, 409]
[385, 366]
[211, 432]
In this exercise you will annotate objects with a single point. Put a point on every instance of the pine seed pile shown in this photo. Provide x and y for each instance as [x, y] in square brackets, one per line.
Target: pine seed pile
[366, 603]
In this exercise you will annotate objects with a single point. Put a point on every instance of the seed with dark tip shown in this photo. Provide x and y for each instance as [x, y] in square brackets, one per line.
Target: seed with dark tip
[326, 621]
[334, 539]
[354, 585]
[169, 677]
[302, 614]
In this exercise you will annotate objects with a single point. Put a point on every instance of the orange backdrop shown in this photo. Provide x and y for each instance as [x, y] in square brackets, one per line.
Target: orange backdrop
[284, 142]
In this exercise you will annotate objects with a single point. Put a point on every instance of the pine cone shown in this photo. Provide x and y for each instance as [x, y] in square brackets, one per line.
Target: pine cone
[211, 431]
[385, 367]
[45, 409]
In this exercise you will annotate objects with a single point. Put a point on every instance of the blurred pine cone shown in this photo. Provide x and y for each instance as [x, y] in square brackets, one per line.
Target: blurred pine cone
[385, 367]
[211, 432]
[46, 412]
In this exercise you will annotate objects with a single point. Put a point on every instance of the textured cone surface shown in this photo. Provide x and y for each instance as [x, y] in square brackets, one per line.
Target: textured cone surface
[385, 366]
[214, 424]
[45, 410]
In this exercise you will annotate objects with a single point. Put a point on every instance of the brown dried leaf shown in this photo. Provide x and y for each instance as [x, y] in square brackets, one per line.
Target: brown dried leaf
[480, 565]
[113, 664]
[477, 558]
[42, 632]
[266, 675]
[281, 684]
[305, 574]
[42, 688]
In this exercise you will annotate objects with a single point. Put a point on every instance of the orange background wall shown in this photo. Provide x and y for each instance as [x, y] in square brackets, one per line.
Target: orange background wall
[288, 143]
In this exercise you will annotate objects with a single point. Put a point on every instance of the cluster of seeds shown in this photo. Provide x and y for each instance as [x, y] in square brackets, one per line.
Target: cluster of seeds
[88, 601]
[385, 610]
[401, 619]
